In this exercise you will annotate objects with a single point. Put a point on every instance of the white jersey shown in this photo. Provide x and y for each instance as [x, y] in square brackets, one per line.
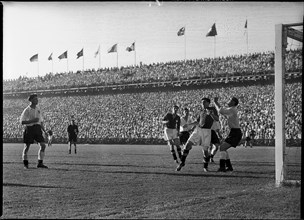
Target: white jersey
[185, 122]
[31, 113]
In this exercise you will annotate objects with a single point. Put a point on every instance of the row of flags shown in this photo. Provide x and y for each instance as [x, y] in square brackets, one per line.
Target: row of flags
[211, 32]
[64, 55]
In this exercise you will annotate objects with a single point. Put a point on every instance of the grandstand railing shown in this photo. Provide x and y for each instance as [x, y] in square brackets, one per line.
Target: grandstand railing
[176, 83]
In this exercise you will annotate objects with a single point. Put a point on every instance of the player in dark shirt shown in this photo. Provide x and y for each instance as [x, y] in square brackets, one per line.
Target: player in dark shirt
[72, 135]
[171, 123]
[201, 135]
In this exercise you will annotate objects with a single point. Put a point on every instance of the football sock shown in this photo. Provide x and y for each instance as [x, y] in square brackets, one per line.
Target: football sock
[222, 164]
[228, 163]
[173, 154]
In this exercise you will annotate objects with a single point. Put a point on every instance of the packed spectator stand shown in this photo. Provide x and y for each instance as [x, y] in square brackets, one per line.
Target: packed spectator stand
[126, 117]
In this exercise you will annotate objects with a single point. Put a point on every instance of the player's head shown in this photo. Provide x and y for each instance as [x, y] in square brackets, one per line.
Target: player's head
[233, 102]
[175, 108]
[185, 110]
[205, 102]
[33, 98]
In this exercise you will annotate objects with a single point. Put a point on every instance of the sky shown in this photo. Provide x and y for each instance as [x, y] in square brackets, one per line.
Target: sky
[43, 28]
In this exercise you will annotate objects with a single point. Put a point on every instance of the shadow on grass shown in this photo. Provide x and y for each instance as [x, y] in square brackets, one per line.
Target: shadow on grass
[242, 173]
[209, 174]
[25, 185]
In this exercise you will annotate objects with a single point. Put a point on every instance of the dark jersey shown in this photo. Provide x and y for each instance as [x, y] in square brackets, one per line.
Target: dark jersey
[73, 130]
[174, 121]
[50, 132]
[252, 134]
[205, 120]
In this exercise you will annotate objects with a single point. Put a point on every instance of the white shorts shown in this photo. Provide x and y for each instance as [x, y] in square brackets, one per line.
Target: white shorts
[170, 134]
[201, 136]
[50, 137]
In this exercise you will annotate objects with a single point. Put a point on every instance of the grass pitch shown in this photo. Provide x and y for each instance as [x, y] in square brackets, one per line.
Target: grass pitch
[136, 181]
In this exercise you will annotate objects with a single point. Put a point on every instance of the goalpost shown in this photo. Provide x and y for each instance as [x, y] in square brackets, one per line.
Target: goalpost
[282, 31]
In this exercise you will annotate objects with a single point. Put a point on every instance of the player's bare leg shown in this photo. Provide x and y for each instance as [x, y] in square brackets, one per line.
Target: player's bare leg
[24, 155]
[206, 158]
[172, 150]
[224, 157]
[185, 153]
[41, 153]
[214, 149]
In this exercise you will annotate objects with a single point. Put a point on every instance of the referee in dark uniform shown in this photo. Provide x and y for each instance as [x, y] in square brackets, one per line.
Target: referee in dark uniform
[72, 135]
[31, 117]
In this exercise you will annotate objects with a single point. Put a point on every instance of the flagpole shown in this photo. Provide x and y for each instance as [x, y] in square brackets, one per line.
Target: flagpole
[214, 46]
[82, 60]
[185, 43]
[247, 40]
[99, 55]
[134, 55]
[117, 58]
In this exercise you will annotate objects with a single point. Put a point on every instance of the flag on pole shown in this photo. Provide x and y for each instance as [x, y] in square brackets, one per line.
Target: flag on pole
[34, 58]
[181, 31]
[97, 52]
[64, 55]
[50, 57]
[245, 27]
[212, 31]
[131, 48]
[80, 53]
[113, 49]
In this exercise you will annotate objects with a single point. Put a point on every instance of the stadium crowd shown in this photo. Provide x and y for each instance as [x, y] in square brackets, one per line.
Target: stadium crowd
[251, 64]
[139, 115]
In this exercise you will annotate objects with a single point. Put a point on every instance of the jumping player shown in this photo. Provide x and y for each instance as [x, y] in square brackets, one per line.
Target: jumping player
[171, 121]
[201, 134]
[235, 134]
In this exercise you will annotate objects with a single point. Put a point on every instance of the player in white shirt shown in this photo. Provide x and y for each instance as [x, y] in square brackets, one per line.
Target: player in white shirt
[235, 135]
[31, 117]
[185, 129]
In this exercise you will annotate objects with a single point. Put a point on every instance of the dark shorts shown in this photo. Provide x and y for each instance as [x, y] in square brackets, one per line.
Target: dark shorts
[73, 138]
[214, 138]
[234, 137]
[184, 136]
[248, 139]
[33, 133]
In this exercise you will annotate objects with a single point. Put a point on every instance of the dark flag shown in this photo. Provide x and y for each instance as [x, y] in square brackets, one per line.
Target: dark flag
[131, 48]
[212, 31]
[80, 53]
[64, 55]
[34, 58]
[245, 24]
[181, 31]
[50, 57]
[97, 52]
[113, 49]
